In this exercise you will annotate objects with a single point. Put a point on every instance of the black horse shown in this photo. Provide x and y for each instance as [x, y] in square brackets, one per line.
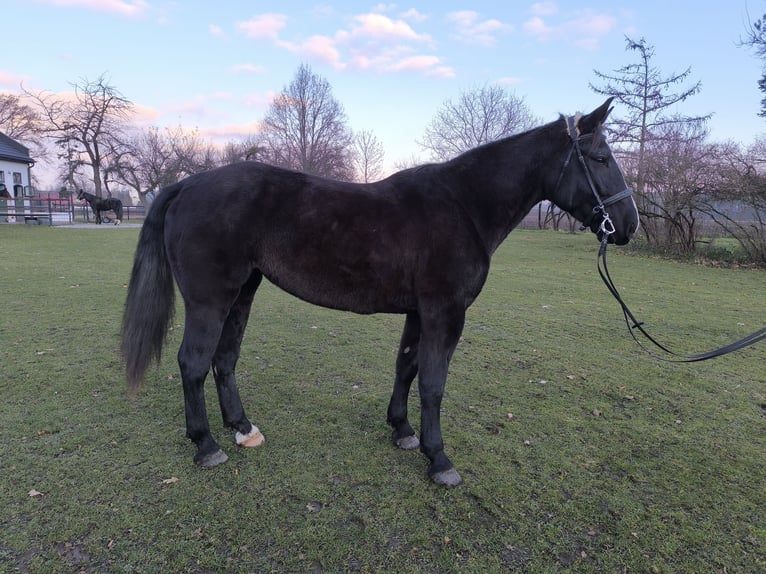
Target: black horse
[417, 243]
[99, 205]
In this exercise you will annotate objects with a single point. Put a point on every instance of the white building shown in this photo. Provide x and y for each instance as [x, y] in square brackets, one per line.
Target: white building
[15, 168]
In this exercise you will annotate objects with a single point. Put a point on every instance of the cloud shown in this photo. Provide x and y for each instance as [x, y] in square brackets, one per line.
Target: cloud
[414, 63]
[124, 7]
[584, 29]
[509, 81]
[471, 29]
[216, 31]
[537, 27]
[371, 41]
[145, 115]
[231, 132]
[247, 69]
[378, 26]
[384, 8]
[259, 100]
[545, 8]
[413, 15]
[321, 48]
[11, 79]
[263, 26]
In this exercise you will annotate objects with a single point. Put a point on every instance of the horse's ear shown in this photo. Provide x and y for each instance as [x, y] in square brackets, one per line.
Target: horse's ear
[590, 122]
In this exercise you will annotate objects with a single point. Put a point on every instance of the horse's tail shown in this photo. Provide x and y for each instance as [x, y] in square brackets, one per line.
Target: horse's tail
[150, 303]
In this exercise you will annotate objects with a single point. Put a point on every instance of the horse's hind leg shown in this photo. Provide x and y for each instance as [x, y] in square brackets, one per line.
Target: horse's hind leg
[225, 361]
[201, 333]
[406, 369]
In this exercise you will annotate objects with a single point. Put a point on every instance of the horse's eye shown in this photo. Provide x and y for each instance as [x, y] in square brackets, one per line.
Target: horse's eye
[602, 159]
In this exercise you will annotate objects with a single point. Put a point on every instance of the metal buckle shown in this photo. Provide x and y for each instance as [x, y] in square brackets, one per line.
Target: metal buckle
[606, 227]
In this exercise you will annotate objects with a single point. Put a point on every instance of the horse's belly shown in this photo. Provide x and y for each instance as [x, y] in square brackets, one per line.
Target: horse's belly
[348, 289]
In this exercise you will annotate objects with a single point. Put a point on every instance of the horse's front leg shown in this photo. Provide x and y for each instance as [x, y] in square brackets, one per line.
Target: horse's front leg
[406, 369]
[441, 329]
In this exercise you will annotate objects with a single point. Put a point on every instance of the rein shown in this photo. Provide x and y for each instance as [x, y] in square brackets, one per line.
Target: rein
[634, 325]
[606, 228]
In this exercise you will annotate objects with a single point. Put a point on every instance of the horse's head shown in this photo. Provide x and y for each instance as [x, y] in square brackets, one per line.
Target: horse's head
[80, 194]
[591, 186]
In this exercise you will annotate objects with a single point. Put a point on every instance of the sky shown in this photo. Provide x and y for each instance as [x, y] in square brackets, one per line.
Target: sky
[215, 66]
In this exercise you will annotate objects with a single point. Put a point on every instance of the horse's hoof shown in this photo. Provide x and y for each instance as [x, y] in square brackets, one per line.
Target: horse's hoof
[449, 477]
[213, 459]
[408, 442]
[251, 439]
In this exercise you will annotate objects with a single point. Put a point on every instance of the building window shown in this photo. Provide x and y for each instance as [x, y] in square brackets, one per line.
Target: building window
[16, 178]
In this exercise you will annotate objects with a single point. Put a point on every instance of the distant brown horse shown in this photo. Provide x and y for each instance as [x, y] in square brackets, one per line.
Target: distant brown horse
[417, 243]
[99, 205]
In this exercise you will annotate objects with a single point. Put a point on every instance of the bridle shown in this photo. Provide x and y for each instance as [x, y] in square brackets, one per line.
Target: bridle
[605, 229]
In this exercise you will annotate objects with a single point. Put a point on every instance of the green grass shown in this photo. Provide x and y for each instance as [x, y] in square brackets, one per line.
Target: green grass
[579, 452]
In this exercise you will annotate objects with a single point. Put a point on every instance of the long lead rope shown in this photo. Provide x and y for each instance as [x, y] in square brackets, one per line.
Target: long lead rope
[634, 325]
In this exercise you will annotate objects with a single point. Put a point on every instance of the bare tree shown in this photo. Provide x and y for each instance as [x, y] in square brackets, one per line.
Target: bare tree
[154, 158]
[736, 197]
[22, 123]
[368, 156]
[305, 129]
[242, 150]
[479, 116]
[677, 172]
[89, 127]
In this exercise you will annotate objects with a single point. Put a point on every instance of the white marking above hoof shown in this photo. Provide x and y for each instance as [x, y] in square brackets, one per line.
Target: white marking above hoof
[408, 442]
[251, 439]
[449, 477]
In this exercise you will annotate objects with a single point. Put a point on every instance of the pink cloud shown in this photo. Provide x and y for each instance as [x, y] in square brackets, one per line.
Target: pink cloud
[379, 26]
[263, 26]
[373, 41]
[231, 131]
[414, 63]
[470, 28]
[322, 48]
[11, 80]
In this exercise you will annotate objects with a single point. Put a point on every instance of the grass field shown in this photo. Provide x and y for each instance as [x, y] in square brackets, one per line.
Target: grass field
[579, 452]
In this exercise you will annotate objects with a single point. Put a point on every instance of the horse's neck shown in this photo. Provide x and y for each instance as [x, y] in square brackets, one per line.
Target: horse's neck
[498, 195]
